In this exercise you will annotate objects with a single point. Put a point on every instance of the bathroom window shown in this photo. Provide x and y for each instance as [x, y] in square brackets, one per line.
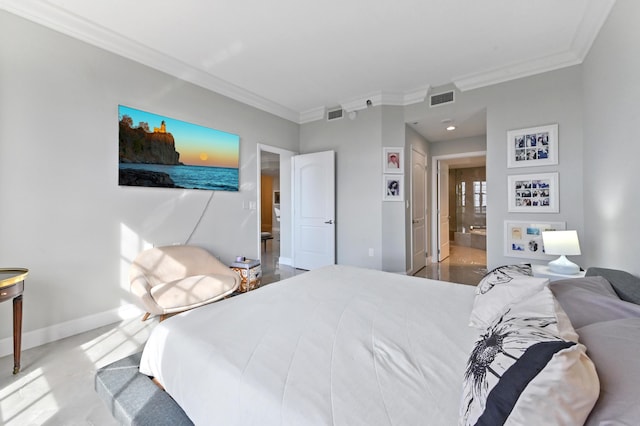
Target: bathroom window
[462, 194]
[480, 196]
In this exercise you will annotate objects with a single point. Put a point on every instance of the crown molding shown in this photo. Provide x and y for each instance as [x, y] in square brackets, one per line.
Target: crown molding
[50, 16]
[58, 19]
[417, 95]
[386, 98]
[594, 18]
[516, 71]
[310, 115]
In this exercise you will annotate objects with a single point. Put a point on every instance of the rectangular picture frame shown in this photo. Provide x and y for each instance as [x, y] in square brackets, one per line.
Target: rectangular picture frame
[524, 238]
[534, 146]
[533, 193]
[393, 160]
[392, 187]
[159, 151]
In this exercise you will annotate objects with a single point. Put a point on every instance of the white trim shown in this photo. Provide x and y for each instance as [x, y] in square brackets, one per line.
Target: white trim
[287, 154]
[286, 261]
[79, 28]
[434, 195]
[597, 13]
[75, 26]
[516, 71]
[54, 332]
[314, 114]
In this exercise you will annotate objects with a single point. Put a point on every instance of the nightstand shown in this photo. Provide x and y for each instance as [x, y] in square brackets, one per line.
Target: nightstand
[250, 273]
[542, 271]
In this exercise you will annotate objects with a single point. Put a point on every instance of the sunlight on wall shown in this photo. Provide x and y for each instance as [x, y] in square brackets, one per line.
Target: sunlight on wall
[130, 246]
[612, 202]
[611, 211]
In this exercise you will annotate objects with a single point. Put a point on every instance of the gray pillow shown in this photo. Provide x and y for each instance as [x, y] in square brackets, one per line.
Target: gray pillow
[613, 346]
[591, 299]
[626, 285]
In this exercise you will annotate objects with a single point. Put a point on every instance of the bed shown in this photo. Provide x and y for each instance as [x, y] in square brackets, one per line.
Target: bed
[350, 346]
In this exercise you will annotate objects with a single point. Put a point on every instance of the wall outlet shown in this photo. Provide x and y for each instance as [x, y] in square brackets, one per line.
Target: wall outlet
[371, 252]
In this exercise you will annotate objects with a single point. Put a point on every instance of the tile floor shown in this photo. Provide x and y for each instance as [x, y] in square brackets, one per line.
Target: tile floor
[55, 386]
[465, 265]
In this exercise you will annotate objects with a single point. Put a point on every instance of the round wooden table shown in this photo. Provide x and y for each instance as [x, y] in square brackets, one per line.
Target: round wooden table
[11, 287]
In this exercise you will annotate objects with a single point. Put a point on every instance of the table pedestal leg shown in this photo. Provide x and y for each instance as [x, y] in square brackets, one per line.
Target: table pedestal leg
[17, 332]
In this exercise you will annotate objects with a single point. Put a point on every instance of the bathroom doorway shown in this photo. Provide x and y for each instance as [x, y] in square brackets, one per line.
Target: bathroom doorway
[464, 202]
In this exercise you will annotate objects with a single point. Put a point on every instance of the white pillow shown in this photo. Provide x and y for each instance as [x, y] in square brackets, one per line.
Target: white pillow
[500, 292]
[503, 274]
[522, 370]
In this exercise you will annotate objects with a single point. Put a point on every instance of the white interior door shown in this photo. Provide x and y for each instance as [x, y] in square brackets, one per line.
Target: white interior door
[418, 210]
[314, 210]
[443, 211]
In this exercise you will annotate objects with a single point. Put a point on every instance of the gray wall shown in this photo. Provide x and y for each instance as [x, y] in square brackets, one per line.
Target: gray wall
[357, 144]
[553, 97]
[459, 146]
[394, 233]
[611, 89]
[63, 215]
[364, 221]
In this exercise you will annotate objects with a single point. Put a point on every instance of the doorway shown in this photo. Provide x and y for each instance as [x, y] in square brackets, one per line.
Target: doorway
[274, 192]
[269, 205]
[459, 195]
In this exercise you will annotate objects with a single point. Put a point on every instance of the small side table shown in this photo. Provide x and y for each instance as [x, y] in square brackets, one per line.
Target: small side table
[250, 273]
[542, 271]
[11, 287]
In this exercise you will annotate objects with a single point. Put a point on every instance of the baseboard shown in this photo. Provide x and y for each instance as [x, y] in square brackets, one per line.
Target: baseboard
[31, 339]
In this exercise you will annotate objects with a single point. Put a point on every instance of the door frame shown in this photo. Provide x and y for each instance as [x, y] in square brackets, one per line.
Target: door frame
[426, 208]
[435, 196]
[286, 181]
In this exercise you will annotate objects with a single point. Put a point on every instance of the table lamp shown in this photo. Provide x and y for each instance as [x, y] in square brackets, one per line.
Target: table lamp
[563, 243]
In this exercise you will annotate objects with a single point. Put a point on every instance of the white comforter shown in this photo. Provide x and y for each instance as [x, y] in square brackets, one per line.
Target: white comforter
[335, 346]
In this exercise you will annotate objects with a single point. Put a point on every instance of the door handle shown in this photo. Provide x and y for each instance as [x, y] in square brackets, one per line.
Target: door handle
[329, 222]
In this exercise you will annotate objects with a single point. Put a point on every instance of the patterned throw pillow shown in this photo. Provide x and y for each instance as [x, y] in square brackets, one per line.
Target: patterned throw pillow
[501, 287]
[502, 275]
[522, 370]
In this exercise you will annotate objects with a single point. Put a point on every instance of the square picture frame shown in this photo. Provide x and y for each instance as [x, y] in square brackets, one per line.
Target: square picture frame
[392, 187]
[393, 160]
[533, 193]
[524, 238]
[534, 146]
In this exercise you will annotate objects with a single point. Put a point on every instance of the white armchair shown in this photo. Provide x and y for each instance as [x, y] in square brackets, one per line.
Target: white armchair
[172, 279]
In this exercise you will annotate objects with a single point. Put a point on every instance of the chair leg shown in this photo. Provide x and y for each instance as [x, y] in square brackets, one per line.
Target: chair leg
[146, 316]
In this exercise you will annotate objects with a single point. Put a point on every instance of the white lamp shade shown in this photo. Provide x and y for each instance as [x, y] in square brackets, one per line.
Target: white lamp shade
[561, 242]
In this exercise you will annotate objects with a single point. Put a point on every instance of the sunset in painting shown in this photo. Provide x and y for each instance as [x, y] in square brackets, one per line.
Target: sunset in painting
[197, 145]
[162, 151]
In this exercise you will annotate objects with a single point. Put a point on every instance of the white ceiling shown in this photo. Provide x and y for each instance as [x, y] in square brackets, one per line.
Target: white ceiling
[296, 58]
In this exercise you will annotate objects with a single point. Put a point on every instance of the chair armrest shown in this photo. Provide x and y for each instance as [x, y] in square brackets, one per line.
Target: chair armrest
[140, 288]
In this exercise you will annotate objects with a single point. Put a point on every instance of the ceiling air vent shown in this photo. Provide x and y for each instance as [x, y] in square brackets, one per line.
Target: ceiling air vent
[441, 98]
[335, 114]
